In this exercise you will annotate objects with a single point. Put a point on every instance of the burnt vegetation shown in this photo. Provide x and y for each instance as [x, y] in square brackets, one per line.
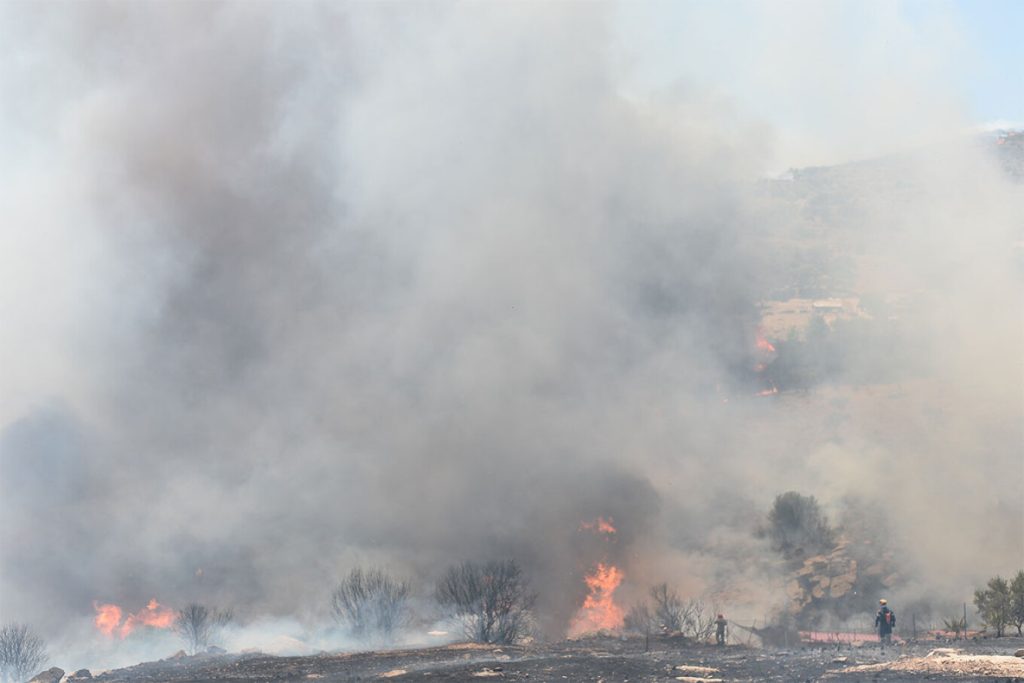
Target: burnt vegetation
[199, 625]
[21, 652]
[371, 604]
[492, 600]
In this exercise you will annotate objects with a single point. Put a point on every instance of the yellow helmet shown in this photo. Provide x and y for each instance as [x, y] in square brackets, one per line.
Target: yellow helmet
[883, 601]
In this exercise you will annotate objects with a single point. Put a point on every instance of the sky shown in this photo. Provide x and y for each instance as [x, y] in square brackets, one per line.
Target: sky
[815, 72]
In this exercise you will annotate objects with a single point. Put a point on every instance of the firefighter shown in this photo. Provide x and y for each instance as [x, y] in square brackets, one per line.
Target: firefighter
[885, 622]
[720, 624]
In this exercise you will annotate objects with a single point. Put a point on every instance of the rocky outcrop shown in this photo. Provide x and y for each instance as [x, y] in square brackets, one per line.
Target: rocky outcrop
[49, 676]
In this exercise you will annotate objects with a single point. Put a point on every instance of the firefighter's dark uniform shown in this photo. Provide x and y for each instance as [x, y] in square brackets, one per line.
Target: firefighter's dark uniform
[885, 622]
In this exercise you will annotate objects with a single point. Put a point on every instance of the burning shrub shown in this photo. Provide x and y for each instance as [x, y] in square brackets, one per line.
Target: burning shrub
[491, 600]
[198, 625]
[371, 604]
[21, 652]
[797, 526]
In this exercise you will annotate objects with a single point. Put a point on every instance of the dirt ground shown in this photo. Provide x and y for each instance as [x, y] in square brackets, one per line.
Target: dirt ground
[602, 659]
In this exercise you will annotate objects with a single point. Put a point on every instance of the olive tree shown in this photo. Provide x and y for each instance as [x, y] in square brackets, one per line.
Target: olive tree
[797, 526]
[995, 604]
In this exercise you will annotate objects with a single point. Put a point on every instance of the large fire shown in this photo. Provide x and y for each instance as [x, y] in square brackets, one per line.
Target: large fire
[108, 618]
[599, 611]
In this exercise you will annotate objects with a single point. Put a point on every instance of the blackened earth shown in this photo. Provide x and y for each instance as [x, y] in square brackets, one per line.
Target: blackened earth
[598, 659]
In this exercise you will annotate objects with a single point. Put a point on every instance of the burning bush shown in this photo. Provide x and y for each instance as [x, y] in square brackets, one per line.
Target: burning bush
[198, 625]
[21, 652]
[371, 604]
[491, 600]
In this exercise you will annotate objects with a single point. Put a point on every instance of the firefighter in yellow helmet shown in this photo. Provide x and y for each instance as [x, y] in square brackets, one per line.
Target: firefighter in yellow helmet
[885, 622]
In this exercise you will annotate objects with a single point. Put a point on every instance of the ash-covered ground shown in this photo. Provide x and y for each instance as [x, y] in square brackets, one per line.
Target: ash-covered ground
[605, 659]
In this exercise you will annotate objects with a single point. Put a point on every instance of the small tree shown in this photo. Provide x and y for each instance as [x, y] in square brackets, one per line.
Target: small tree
[668, 607]
[198, 625]
[21, 652]
[491, 600]
[995, 604]
[1017, 601]
[797, 526]
[639, 620]
[371, 604]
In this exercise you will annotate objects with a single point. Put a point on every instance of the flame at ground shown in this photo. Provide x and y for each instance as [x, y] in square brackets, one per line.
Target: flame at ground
[155, 615]
[599, 611]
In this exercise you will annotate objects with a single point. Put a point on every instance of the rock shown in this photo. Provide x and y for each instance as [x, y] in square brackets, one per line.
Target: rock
[840, 660]
[180, 654]
[80, 675]
[214, 650]
[49, 676]
[1019, 653]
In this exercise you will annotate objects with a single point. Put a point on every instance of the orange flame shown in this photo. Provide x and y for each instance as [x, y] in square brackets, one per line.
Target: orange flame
[599, 611]
[107, 618]
[155, 615]
[763, 344]
[599, 525]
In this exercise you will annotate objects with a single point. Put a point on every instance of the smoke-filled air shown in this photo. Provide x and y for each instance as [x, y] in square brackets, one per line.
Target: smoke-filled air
[292, 290]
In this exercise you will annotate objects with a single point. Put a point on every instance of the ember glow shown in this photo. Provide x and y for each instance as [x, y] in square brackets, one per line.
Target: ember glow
[763, 344]
[108, 618]
[599, 525]
[599, 611]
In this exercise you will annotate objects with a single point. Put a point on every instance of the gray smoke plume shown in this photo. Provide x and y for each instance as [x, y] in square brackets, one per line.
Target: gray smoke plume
[295, 287]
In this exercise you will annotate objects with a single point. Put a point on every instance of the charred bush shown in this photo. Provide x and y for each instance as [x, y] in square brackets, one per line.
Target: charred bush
[798, 527]
[492, 600]
[668, 608]
[641, 621]
[371, 604]
[21, 652]
[198, 625]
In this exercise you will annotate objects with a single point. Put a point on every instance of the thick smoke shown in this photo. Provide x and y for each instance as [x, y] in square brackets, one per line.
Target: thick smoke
[297, 287]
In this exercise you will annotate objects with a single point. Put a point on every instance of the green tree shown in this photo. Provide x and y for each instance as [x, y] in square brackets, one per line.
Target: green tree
[995, 604]
[1017, 601]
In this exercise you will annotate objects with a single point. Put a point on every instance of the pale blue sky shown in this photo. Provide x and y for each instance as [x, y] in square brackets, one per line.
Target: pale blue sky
[834, 79]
